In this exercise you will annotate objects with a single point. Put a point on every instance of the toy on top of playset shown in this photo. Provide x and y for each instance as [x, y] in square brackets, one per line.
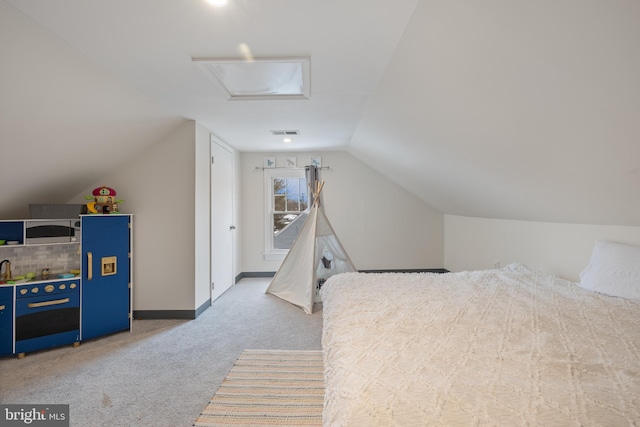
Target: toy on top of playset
[104, 201]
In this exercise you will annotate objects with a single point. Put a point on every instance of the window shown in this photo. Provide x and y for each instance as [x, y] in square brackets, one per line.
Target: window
[287, 197]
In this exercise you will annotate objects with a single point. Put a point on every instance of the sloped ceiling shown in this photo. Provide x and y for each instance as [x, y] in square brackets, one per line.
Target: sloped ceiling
[501, 109]
[151, 43]
[64, 121]
[517, 110]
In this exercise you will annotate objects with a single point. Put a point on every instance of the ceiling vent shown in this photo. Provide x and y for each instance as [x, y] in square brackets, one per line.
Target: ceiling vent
[285, 132]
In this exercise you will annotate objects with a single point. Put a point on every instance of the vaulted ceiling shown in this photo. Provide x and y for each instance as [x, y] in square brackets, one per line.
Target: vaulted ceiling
[501, 109]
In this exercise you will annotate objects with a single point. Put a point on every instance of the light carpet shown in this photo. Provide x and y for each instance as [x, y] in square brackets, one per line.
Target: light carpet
[269, 388]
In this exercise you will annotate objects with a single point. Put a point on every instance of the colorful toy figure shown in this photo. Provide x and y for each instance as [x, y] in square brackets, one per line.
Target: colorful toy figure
[104, 201]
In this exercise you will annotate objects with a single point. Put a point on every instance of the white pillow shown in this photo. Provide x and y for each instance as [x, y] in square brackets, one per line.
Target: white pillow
[614, 269]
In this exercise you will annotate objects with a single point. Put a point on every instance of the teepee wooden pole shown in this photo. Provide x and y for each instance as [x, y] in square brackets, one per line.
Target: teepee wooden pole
[316, 194]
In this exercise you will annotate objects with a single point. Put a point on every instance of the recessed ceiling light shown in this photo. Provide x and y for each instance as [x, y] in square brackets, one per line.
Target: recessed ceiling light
[217, 3]
[287, 140]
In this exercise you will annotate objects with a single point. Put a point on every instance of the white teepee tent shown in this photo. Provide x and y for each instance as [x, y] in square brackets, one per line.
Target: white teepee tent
[315, 255]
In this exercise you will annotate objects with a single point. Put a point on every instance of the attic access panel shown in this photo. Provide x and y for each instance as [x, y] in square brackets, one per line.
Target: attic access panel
[260, 78]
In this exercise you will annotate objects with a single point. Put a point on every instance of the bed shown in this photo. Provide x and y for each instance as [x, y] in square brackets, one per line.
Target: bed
[505, 347]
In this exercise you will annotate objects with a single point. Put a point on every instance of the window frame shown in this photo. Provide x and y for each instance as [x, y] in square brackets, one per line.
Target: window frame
[271, 253]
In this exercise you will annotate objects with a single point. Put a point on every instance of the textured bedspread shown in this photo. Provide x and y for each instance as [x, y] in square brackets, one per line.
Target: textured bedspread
[498, 347]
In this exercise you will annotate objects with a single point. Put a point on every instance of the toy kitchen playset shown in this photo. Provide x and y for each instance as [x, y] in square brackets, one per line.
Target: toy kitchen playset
[64, 280]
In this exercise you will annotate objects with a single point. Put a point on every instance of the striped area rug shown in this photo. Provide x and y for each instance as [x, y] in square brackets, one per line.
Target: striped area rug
[269, 388]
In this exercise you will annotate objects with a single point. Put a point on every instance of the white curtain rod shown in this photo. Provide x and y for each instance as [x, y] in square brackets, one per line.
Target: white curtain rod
[283, 167]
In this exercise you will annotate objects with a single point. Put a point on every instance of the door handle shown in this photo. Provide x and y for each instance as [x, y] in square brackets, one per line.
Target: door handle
[232, 227]
[89, 266]
[48, 303]
[2, 307]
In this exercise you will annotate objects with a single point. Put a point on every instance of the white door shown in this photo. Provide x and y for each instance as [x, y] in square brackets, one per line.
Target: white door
[221, 219]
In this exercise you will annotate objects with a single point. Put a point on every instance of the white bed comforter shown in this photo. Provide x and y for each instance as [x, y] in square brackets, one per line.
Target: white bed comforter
[497, 347]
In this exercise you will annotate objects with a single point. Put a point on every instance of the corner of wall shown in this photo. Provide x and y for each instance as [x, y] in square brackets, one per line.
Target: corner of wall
[158, 188]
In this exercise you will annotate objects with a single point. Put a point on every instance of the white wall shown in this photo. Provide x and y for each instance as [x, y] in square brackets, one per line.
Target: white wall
[159, 188]
[202, 249]
[381, 225]
[560, 249]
